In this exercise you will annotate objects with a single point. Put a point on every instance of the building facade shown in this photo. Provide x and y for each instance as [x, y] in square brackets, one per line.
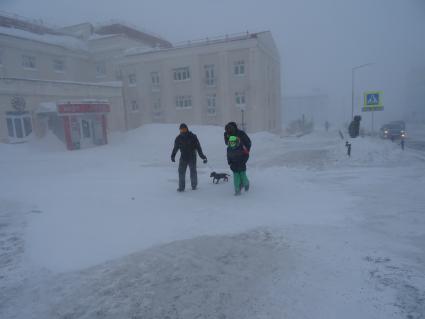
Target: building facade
[211, 82]
[142, 77]
[42, 66]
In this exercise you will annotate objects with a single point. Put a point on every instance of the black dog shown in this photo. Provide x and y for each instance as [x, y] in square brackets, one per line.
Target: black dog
[218, 176]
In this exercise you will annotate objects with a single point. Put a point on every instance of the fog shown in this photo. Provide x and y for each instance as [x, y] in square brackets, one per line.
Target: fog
[97, 220]
[319, 41]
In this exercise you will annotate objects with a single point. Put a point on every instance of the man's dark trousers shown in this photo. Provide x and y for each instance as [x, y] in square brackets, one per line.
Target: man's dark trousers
[182, 172]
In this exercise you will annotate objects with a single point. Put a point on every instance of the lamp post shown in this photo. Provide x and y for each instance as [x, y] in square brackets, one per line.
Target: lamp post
[352, 85]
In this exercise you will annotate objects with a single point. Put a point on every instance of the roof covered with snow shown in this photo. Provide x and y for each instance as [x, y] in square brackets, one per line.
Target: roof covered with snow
[201, 42]
[64, 41]
[10, 20]
[120, 27]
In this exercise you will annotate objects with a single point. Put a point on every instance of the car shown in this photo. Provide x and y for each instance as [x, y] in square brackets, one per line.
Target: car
[393, 130]
[401, 123]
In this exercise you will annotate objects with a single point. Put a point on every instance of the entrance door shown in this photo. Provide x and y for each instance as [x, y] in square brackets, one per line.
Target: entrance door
[87, 137]
[19, 126]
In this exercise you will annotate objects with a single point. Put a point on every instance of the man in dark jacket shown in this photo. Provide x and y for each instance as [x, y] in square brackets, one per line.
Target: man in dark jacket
[231, 129]
[188, 144]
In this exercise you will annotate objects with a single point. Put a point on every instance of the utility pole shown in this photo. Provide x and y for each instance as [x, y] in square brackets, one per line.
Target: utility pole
[352, 85]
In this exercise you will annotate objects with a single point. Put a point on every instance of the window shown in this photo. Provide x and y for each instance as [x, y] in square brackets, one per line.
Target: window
[181, 74]
[118, 74]
[10, 127]
[210, 75]
[240, 98]
[27, 125]
[132, 80]
[183, 102]
[28, 62]
[211, 104]
[155, 79]
[157, 108]
[59, 65]
[239, 67]
[156, 104]
[19, 125]
[134, 106]
[85, 125]
[101, 69]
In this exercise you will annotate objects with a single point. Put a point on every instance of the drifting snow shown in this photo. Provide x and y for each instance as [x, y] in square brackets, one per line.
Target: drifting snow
[102, 232]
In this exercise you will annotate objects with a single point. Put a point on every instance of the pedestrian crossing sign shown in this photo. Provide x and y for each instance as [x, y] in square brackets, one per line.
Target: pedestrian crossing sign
[372, 101]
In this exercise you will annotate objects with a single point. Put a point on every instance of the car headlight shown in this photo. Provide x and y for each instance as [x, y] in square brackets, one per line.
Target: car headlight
[386, 132]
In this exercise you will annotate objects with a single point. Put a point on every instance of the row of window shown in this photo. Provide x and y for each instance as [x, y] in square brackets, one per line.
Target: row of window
[30, 62]
[179, 74]
[185, 102]
[183, 74]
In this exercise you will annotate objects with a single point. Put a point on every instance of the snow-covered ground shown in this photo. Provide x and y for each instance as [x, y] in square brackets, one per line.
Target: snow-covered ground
[102, 232]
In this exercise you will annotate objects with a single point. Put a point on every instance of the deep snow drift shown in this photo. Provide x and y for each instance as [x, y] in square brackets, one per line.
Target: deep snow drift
[102, 232]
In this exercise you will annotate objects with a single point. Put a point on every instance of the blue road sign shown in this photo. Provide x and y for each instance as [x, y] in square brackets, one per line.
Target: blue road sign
[372, 101]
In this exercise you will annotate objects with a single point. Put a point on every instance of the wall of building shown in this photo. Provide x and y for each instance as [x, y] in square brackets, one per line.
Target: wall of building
[260, 83]
[139, 101]
[35, 92]
[77, 65]
[43, 83]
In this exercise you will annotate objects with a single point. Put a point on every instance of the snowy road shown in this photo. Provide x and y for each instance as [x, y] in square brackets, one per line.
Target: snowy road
[101, 233]
[416, 145]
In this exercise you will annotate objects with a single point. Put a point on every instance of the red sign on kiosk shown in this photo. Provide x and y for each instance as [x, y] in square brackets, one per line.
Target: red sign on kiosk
[73, 108]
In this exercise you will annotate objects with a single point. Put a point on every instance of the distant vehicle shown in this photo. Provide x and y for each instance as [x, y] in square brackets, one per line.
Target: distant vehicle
[393, 130]
[401, 123]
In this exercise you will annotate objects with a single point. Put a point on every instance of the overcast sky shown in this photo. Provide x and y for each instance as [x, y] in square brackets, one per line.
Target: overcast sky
[319, 40]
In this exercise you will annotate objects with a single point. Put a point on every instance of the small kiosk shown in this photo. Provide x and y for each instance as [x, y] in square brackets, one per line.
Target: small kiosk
[84, 123]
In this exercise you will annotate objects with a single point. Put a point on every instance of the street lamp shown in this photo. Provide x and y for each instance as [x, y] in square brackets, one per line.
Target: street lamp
[352, 85]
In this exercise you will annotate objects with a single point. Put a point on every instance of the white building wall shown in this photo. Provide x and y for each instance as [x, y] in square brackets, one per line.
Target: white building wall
[78, 66]
[260, 83]
[43, 83]
[210, 90]
[135, 104]
[35, 92]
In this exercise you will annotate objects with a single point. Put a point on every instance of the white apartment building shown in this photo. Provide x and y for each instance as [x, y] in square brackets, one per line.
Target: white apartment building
[142, 78]
[207, 82]
[42, 66]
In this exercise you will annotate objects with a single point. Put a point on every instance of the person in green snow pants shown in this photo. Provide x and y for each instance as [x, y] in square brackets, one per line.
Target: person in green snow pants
[237, 156]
